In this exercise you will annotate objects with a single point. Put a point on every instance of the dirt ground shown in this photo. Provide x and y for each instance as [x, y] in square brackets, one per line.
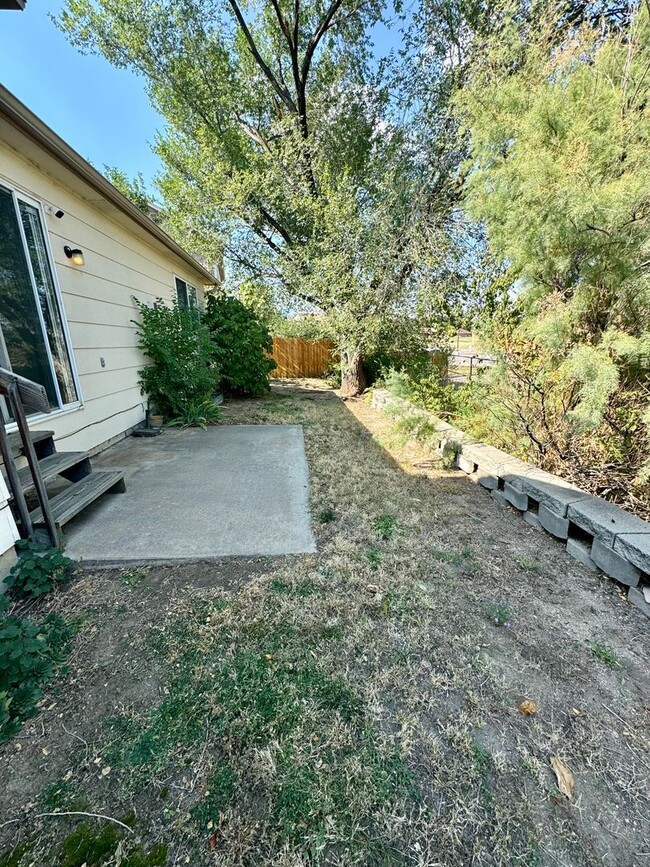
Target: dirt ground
[356, 706]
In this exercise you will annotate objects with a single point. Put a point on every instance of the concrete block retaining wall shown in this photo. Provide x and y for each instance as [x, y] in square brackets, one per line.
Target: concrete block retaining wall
[597, 533]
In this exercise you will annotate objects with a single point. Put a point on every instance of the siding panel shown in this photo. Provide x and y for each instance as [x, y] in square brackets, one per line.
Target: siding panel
[121, 260]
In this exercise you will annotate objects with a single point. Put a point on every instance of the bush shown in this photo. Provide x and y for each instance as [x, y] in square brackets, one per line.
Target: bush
[426, 390]
[182, 370]
[39, 569]
[240, 343]
[31, 655]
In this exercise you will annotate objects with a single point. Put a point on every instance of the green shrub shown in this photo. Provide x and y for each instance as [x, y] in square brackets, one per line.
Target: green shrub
[240, 343]
[31, 655]
[182, 370]
[38, 569]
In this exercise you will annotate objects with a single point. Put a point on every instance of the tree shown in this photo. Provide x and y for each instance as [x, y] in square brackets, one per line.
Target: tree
[135, 190]
[560, 160]
[281, 141]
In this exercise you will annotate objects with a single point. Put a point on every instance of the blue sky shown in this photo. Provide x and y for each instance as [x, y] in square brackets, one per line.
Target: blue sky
[102, 112]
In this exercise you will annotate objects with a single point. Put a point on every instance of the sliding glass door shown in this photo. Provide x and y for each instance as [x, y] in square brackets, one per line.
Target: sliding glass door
[33, 340]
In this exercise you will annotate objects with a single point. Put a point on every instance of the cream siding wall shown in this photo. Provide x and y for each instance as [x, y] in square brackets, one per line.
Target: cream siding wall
[121, 261]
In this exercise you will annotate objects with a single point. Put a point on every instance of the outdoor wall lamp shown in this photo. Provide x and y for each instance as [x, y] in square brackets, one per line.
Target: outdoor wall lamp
[77, 256]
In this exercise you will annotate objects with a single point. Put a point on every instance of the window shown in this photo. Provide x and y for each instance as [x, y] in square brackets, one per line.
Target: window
[33, 340]
[186, 294]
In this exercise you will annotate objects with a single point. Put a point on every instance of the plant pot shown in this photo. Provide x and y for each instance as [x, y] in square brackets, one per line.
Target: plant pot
[156, 421]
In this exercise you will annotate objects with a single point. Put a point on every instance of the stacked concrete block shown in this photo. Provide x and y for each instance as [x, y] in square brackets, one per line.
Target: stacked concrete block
[532, 520]
[598, 534]
[621, 546]
[581, 551]
[640, 598]
[464, 464]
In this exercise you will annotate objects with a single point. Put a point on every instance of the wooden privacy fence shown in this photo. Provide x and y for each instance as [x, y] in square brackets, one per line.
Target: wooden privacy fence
[296, 357]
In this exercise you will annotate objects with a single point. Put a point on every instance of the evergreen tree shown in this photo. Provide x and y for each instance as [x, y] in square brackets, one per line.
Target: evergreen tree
[558, 172]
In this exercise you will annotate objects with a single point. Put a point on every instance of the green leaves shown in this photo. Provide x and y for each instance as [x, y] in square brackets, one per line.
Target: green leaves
[31, 654]
[38, 569]
[559, 130]
[241, 345]
[182, 370]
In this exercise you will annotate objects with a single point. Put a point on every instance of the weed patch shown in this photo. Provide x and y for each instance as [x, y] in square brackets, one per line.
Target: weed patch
[385, 527]
[499, 613]
[605, 654]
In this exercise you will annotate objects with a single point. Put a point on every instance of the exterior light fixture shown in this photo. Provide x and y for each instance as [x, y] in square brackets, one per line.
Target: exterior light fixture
[76, 256]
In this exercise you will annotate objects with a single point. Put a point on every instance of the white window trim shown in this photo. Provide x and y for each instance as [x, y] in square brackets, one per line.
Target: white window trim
[79, 403]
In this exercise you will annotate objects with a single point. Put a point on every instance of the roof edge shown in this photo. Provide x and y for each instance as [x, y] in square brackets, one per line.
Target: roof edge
[28, 123]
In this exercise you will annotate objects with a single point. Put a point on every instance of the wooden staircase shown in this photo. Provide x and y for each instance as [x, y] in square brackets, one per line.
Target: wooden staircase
[75, 467]
[46, 469]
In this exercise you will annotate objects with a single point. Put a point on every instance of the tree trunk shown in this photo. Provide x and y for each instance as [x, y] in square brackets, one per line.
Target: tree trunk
[353, 379]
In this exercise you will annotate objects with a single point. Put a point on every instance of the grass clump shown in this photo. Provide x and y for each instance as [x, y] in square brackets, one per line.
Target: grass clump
[605, 654]
[499, 613]
[133, 576]
[220, 792]
[63, 795]
[385, 527]
[327, 515]
[373, 556]
[452, 557]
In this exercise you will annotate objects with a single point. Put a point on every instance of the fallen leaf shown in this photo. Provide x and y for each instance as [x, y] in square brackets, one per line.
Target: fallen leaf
[576, 712]
[106, 771]
[212, 840]
[527, 707]
[565, 781]
[372, 588]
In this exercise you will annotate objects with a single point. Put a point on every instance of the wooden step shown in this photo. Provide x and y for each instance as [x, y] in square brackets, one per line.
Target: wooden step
[74, 499]
[43, 443]
[71, 465]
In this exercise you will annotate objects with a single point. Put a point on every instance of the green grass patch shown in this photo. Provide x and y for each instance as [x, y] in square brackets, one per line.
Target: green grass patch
[133, 576]
[326, 516]
[221, 790]
[385, 527]
[605, 654]
[254, 694]
[451, 557]
[499, 613]
[373, 556]
[63, 795]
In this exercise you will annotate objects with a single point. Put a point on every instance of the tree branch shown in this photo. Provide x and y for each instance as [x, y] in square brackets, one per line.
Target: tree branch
[317, 35]
[282, 92]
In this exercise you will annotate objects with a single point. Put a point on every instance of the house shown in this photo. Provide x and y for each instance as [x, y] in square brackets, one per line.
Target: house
[73, 253]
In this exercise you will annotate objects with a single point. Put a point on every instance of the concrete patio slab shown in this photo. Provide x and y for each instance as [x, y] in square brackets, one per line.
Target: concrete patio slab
[231, 490]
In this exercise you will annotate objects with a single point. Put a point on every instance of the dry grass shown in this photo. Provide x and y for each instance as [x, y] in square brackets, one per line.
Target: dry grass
[358, 706]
